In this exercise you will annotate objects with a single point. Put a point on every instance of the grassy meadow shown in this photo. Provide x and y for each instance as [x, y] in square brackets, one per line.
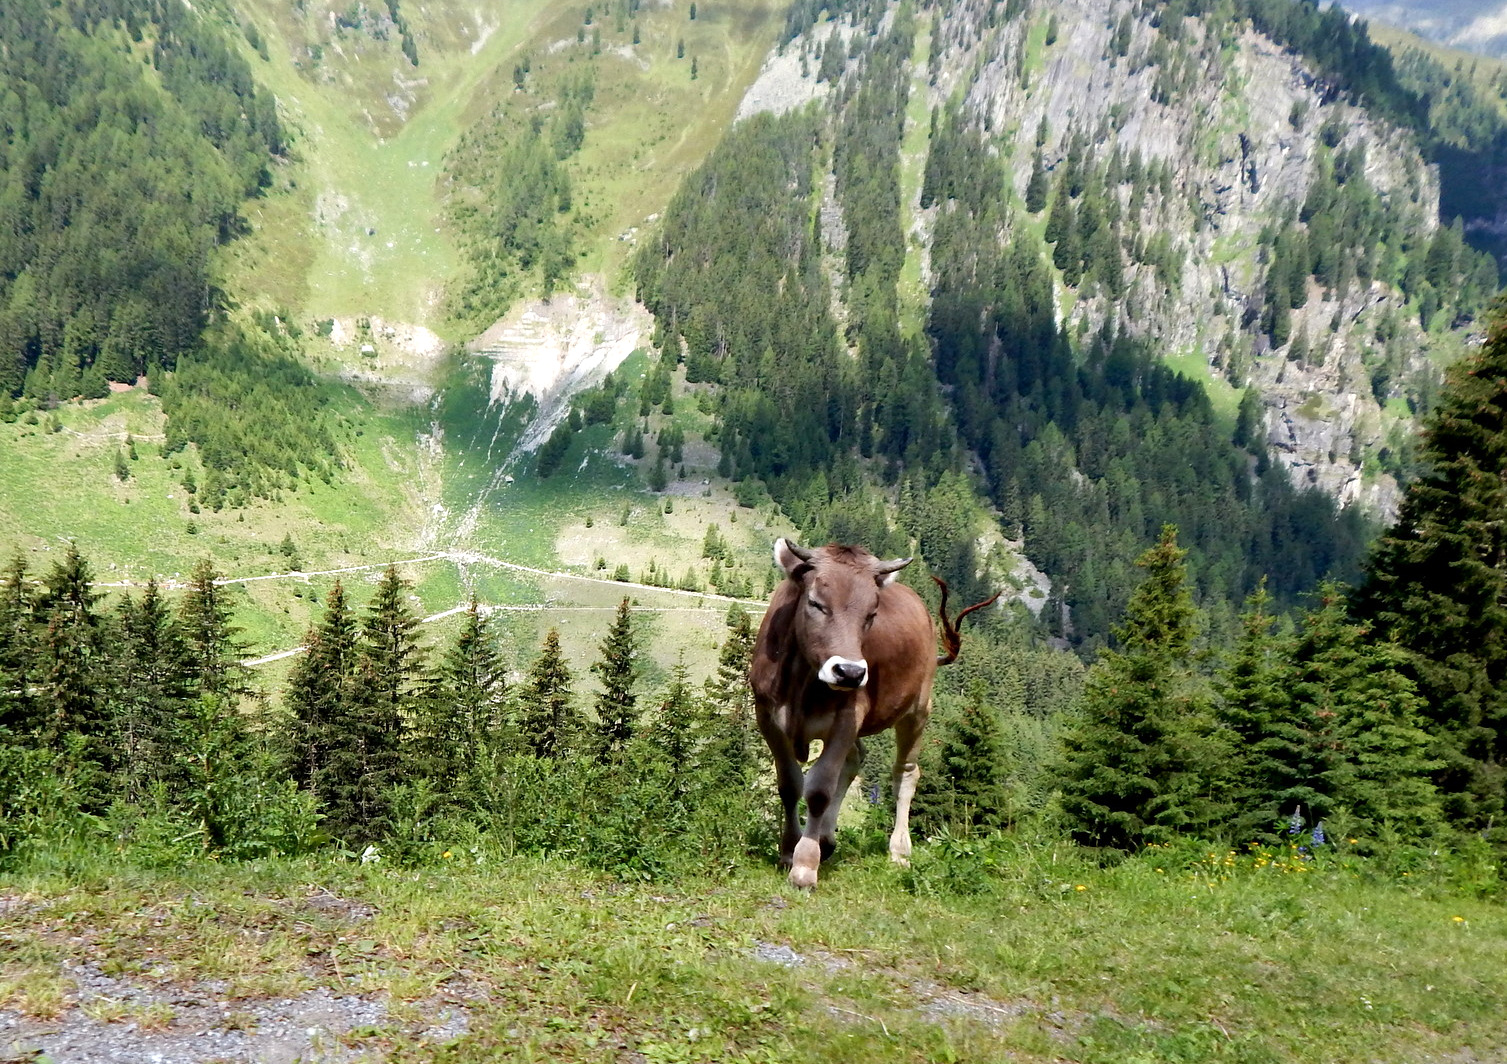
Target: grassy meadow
[1011, 950]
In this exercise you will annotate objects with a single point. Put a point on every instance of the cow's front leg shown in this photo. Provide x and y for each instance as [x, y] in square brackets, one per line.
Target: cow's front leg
[822, 798]
[827, 836]
[788, 781]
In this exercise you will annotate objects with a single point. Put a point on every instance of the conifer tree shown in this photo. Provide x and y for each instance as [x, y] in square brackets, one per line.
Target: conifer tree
[212, 654]
[616, 704]
[324, 693]
[73, 670]
[671, 732]
[1371, 755]
[20, 709]
[968, 792]
[462, 710]
[1269, 745]
[1141, 758]
[1436, 583]
[1036, 187]
[362, 759]
[729, 719]
[391, 651]
[547, 721]
[150, 689]
[214, 758]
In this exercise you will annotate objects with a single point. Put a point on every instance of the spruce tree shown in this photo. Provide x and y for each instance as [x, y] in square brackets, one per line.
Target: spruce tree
[671, 733]
[215, 769]
[1037, 187]
[73, 669]
[321, 687]
[1140, 762]
[149, 691]
[391, 651]
[969, 791]
[1269, 746]
[616, 704]
[20, 708]
[212, 654]
[1436, 584]
[546, 719]
[462, 709]
[729, 719]
[1370, 753]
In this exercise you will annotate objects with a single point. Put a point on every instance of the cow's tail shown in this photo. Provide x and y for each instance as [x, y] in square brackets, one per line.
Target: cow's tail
[952, 639]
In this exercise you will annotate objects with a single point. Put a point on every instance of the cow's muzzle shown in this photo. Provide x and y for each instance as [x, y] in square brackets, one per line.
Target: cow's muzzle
[843, 674]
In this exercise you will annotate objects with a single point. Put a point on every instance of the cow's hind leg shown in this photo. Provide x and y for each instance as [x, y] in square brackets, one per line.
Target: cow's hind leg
[907, 774]
[788, 782]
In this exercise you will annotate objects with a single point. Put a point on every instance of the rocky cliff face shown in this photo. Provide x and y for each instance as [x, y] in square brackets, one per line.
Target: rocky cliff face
[1243, 130]
[1239, 120]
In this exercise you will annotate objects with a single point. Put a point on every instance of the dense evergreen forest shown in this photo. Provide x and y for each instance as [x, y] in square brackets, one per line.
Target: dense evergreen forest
[132, 132]
[1087, 446]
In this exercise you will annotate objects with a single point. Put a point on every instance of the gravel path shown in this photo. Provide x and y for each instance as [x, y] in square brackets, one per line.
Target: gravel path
[127, 1022]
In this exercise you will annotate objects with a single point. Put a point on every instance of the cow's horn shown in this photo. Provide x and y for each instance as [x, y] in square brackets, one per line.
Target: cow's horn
[790, 557]
[885, 572]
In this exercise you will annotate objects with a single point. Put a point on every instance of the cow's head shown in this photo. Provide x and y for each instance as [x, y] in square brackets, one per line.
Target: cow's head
[839, 598]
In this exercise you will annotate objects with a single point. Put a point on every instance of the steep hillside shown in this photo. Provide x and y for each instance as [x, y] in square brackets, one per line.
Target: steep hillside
[1248, 151]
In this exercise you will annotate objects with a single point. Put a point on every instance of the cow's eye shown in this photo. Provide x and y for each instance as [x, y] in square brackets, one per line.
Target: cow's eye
[868, 621]
[817, 606]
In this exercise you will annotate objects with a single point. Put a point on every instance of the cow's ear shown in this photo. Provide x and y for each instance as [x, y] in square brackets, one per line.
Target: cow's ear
[885, 572]
[794, 560]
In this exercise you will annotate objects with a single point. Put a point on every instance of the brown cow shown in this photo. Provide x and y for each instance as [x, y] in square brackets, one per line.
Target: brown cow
[844, 651]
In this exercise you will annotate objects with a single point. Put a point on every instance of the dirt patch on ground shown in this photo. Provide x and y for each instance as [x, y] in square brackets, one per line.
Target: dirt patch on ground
[930, 999]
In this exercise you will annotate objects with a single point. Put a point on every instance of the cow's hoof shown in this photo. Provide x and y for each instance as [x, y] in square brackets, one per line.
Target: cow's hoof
[803, 867]
[903, 862]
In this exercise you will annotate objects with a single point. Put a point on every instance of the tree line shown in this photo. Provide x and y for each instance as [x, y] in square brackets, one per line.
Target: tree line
[136, 719]
[1381, 709]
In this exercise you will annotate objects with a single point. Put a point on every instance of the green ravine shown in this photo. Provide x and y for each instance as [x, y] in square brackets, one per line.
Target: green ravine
[369, 138]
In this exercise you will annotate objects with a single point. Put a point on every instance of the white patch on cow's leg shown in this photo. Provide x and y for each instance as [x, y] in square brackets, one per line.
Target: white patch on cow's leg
[905, 789]
[846, 673]
[808, 855]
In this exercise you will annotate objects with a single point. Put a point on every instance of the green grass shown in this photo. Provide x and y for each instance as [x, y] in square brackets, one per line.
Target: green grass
[914, 147]
[359, 166]
[1175, 957]
[143, 526]
[1223, 395]
[650, 124]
